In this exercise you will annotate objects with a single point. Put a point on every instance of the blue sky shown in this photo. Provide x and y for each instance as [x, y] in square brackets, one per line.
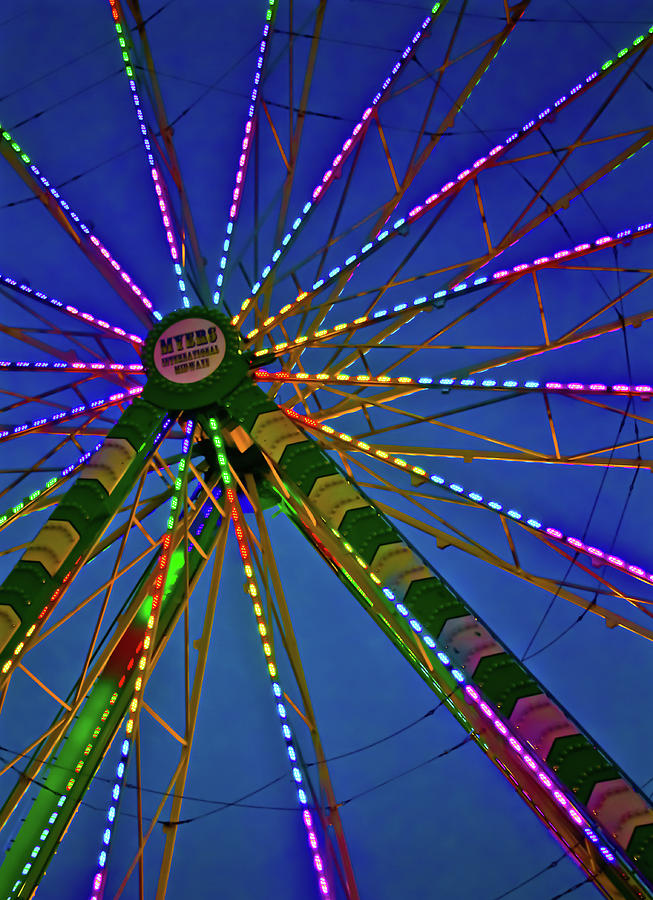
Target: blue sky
[453, 827]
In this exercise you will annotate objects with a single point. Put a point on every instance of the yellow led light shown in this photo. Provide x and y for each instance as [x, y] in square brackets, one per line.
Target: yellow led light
[284, 309]
[381, 453]
[269, 320]
[321, 332]
[399, 461]
[360, 320]
[405, 380]
[300, 340]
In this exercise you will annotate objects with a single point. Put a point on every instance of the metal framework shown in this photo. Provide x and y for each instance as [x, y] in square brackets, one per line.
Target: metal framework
[140, 465]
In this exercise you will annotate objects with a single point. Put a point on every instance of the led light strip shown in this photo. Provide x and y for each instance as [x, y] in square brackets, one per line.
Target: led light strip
[246, 145]
[20, 365]
[453, 487]
[159, 184]
[66, 414]
[69, 310]
[270, 661]
[473, 695]
[468, 174]
[69, 213]
[439, 298]
[573, 387]
[208, 506]
[66, 578]
[335, 169]
[144, 659]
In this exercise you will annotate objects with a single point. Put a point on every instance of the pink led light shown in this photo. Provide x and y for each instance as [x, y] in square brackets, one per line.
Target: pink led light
[40, 297]
[615, 561]
[359, 130]
[246, 144]
[552, 532]
[158, 184]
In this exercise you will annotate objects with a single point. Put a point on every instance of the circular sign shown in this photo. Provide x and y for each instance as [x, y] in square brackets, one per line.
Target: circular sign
[189, 350]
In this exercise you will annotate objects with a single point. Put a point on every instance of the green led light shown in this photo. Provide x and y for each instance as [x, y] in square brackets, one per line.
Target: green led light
[607, 64]
[51, 482]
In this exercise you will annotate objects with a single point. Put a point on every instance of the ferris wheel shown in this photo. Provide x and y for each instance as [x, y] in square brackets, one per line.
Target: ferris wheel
[407, 368]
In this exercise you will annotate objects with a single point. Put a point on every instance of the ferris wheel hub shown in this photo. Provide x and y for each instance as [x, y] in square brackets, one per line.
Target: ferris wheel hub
[192, 358]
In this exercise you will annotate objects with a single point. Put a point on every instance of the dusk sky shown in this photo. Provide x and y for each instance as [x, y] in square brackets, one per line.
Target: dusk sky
[416, 826]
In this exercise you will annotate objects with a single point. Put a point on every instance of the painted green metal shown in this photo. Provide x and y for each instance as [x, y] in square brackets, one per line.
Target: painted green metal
[34, 585]
[398, 587]
[90, 736]
[589, 777]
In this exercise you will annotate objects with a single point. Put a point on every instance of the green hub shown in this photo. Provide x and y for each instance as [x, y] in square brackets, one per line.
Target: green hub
[192, 358]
